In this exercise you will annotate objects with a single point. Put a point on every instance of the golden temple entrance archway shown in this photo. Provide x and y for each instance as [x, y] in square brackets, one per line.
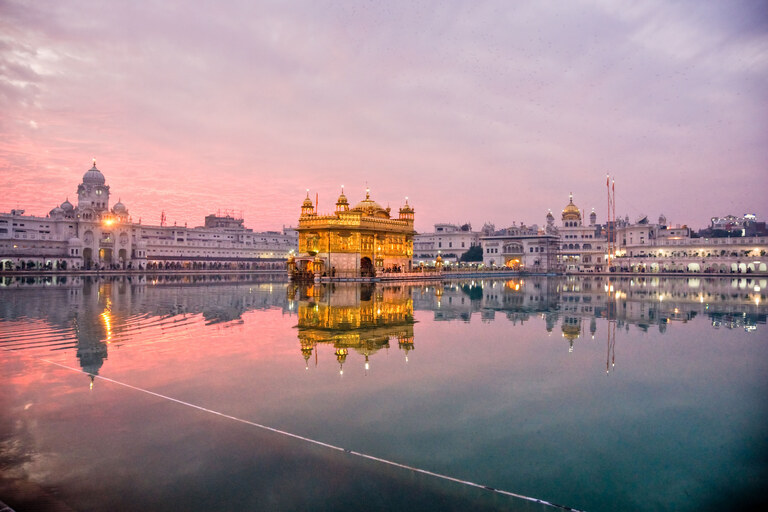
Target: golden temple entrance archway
[366, 267]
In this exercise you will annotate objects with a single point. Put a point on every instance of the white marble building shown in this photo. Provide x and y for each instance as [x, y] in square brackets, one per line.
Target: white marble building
[647, 247]
[583, 248]
[450, 241]
[528, 252]
[91, 235]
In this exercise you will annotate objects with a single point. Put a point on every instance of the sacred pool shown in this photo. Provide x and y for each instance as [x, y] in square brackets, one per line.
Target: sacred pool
[246, 392]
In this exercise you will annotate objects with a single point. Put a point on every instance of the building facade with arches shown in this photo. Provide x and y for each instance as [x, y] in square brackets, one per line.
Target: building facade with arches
[90, 235]
[583, 248]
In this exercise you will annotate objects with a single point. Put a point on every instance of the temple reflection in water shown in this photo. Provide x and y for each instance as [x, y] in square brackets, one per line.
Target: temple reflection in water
[358, 317]
[357, 320]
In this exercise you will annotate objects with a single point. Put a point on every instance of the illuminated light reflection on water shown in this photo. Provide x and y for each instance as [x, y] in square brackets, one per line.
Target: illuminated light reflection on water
[639, 394]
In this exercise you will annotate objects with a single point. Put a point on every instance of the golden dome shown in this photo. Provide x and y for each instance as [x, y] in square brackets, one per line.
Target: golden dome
[571, 211]
[571, 332]
[370, 207]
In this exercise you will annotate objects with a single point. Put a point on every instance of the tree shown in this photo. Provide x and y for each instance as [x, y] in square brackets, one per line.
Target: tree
[474, 253]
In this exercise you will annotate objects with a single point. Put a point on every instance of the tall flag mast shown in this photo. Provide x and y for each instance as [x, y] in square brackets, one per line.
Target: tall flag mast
[611, 232]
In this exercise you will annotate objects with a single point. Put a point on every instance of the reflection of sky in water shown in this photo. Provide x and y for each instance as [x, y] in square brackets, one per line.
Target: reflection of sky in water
[633, 394]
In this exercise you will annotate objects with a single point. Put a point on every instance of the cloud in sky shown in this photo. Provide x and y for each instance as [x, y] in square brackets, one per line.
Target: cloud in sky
[479, 111]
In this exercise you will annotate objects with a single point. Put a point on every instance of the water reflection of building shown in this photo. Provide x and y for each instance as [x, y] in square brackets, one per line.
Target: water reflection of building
[362, 318]
[573, 303]
[571, 328]
[91, 313]
[93, 327]
[518, 299]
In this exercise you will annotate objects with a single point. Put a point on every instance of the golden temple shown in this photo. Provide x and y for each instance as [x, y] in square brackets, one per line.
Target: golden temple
[357, 242]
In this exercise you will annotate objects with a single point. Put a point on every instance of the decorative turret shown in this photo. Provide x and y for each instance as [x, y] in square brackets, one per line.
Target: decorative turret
[341, 356]
[306, 352]
[307, 208]
[406, 212]
[67, 207]
[550, 228]
[592, 218]
[342, 205]
[120, 211]
[119, 208]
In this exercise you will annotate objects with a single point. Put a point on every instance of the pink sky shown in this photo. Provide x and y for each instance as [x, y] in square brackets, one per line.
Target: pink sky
[478, 111]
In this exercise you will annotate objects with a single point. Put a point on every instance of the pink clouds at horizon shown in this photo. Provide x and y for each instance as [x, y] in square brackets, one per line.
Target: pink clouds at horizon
[478, 112]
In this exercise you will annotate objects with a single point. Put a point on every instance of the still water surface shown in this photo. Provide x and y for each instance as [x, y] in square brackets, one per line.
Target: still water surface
[149, 394]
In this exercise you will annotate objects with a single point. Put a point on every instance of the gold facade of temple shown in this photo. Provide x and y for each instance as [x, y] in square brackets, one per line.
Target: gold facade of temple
[353, 242]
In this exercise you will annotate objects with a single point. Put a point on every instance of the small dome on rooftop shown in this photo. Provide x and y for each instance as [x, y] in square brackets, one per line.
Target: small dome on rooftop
[571, 211]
